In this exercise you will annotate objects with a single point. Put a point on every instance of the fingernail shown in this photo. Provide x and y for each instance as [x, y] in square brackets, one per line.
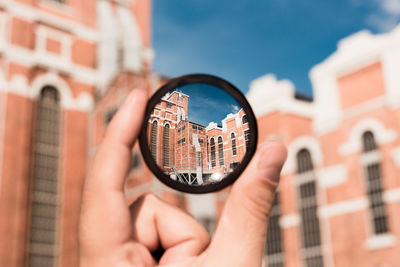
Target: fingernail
[268, 164]
[132, 96]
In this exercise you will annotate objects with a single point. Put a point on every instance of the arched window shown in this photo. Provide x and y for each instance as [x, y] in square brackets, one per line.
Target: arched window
[368, 142]
[212, 151]
[233, 144]
[45, 195]
[310, 228]
[372, 169]
[166, 145]
[153, 140]
[220, 151]
[244, 119]
[274, 246]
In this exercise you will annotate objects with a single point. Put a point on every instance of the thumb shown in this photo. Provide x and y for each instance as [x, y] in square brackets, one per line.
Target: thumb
[240, 237]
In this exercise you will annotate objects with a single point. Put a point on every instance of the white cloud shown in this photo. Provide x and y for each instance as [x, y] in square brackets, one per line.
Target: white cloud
[234, 108]
[386, 14]
[391, 7]
[382, 23]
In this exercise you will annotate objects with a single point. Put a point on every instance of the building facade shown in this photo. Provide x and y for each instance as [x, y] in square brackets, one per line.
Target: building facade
[338, 203]
[67, 65]
[191, 153]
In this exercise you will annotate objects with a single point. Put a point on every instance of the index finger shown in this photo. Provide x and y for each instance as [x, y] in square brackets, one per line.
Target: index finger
[105, 218]
[112, 160]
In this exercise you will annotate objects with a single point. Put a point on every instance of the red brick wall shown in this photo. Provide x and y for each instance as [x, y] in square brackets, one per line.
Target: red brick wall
[73, 173]
[362, 85]
[22, 33]
[84, 53]
[14, 195]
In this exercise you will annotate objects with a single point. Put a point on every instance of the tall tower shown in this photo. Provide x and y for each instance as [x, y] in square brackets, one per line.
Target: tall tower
[58, 60]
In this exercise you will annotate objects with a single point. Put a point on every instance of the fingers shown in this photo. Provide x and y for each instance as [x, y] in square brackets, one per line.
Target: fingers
[243, 223]
[105, 218]
[112, 161]
[157, 223]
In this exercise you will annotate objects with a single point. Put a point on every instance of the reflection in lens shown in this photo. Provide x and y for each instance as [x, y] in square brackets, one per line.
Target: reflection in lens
[200, 141]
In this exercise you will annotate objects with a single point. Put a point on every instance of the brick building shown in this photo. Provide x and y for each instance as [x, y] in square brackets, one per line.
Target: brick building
[192, 153]
[339, 198]
[66, 66]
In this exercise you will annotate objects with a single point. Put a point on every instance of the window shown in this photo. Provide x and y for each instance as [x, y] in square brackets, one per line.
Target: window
[153, 140]
[212, 149]
[181, 129]
[310, 228]
[166, 145]
[169, 105]
[181, 141]
[233, 144]
[135, 161]
[244, 119]
[201, 141]
[220, 151]
[247, 137]
[274, 246]
[45, 196]
[372, 169]
[194, 127]
[233, 165]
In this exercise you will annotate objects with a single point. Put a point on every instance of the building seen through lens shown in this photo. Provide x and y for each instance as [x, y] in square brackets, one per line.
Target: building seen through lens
[192, 153]
[67, 66]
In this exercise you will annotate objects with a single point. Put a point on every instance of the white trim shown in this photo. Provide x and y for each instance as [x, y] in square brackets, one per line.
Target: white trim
[3, 29]
[380, 241]
[84, 102]
[332, 176]
[212, 125]
[343, 207]
[290, 220]
[354, 53]
[364, 107]
[396, 156]
[268, 95]
[163, 118]
[355, 204]
[381, 134]
[390, 68]
[370, 157]
[28, 13]
[152, 120]
[308, 142]
[44, 33]
[131, 39]
[392, 195]
[30, 58]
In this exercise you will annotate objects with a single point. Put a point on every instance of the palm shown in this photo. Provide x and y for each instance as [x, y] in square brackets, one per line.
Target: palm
[115, 234]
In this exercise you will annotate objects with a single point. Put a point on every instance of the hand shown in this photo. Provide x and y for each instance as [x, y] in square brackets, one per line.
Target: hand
[112, 233]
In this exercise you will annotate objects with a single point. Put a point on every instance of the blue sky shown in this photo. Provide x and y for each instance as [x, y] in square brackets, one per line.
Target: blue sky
[208, 103]
[244, 39]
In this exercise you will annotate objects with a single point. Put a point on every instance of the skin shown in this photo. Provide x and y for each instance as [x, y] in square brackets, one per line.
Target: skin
[112, 233]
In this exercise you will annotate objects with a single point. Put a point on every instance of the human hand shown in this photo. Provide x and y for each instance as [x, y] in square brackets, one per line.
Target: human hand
[112, 233]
